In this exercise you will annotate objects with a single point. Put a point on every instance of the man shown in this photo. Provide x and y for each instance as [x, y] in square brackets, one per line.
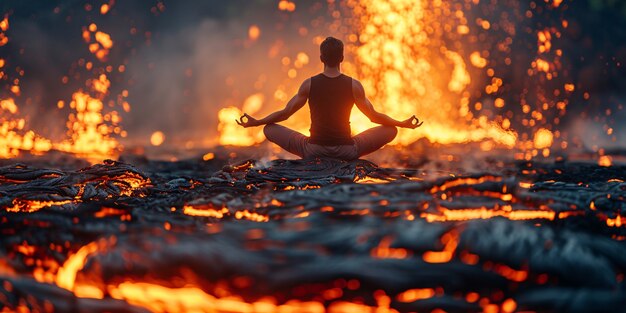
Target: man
[331, 96]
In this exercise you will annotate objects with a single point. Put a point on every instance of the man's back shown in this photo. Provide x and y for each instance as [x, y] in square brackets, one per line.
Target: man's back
[331, 96]
[331, 101]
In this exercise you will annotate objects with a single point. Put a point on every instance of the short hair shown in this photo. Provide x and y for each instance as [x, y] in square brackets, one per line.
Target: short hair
[331, 51]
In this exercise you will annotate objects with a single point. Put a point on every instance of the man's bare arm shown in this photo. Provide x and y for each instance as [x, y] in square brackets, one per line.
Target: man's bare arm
[367, 108]
[295, 104]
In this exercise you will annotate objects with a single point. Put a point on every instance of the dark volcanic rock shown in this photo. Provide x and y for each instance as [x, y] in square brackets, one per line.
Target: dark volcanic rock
[545, 237]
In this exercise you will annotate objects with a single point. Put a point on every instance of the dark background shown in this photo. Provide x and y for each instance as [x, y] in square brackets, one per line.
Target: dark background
[185, 62]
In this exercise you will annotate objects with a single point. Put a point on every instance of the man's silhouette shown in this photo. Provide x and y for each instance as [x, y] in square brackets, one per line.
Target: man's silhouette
[331, 96]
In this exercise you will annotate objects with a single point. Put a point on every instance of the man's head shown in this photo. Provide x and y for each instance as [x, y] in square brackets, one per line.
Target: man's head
[331, 52]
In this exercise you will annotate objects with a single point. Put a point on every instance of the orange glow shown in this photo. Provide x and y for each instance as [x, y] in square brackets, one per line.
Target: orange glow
[13, 137]
[4, 24]
[464, 181]
[509, 306]
[447, 215]
[66, 276]
[204, 211]
[605, 160]
[413, 295]
[157, 138]
[233, 134]
[253, 103]
[254, 32]
[30, 206]
[400, 43]
[90, 130]
[511, 274]
[90, 135]
[543, 139]
[102, 44]
[614, 222]
[371, 180]
[104, 9]
[450, 241]
[286, 5]
[384, 251]
[157, 298]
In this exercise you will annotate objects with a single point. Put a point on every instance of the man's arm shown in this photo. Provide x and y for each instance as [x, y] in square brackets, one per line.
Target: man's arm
[367, 108]
[295, 104]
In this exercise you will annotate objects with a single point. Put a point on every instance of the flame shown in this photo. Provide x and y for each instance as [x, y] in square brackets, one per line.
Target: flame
[13, 135]
[543, 138]
[13, 138]
[90, 131]
[396, 61]
[233, 134]
[401, 65]
[101, 43]
[605, 160]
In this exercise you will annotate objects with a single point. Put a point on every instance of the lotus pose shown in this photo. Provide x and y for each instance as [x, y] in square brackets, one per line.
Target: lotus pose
[331, 96]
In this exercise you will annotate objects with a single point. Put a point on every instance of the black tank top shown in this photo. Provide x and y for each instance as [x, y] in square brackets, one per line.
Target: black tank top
[330, 102]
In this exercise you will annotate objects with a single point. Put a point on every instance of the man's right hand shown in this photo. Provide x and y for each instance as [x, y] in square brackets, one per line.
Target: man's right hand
[412, 123]
[248, 122]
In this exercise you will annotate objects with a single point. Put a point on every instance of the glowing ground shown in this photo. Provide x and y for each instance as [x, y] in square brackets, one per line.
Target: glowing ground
[311, 236]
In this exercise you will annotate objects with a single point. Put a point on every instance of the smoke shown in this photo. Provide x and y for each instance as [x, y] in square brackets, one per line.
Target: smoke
[182, 62]
[183, 78]
[185, 62]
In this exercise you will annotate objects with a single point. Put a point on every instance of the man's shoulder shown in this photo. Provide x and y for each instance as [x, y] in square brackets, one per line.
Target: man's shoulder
[356, 83]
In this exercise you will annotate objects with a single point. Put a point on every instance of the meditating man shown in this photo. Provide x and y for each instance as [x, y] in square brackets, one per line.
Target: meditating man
[331, 96]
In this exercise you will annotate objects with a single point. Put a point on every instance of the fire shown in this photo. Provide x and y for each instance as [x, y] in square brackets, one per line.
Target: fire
[101, 43]
[233, 134]
[90, 131]
[4, 26]
[543, 139]
[13, 138]
[395, 60]
[13, 135]
[605, 160]
[403, 69]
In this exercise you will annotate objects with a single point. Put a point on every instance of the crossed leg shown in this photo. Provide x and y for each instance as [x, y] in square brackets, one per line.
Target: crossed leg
[297, 143]
[286, 138]
[374, 138]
